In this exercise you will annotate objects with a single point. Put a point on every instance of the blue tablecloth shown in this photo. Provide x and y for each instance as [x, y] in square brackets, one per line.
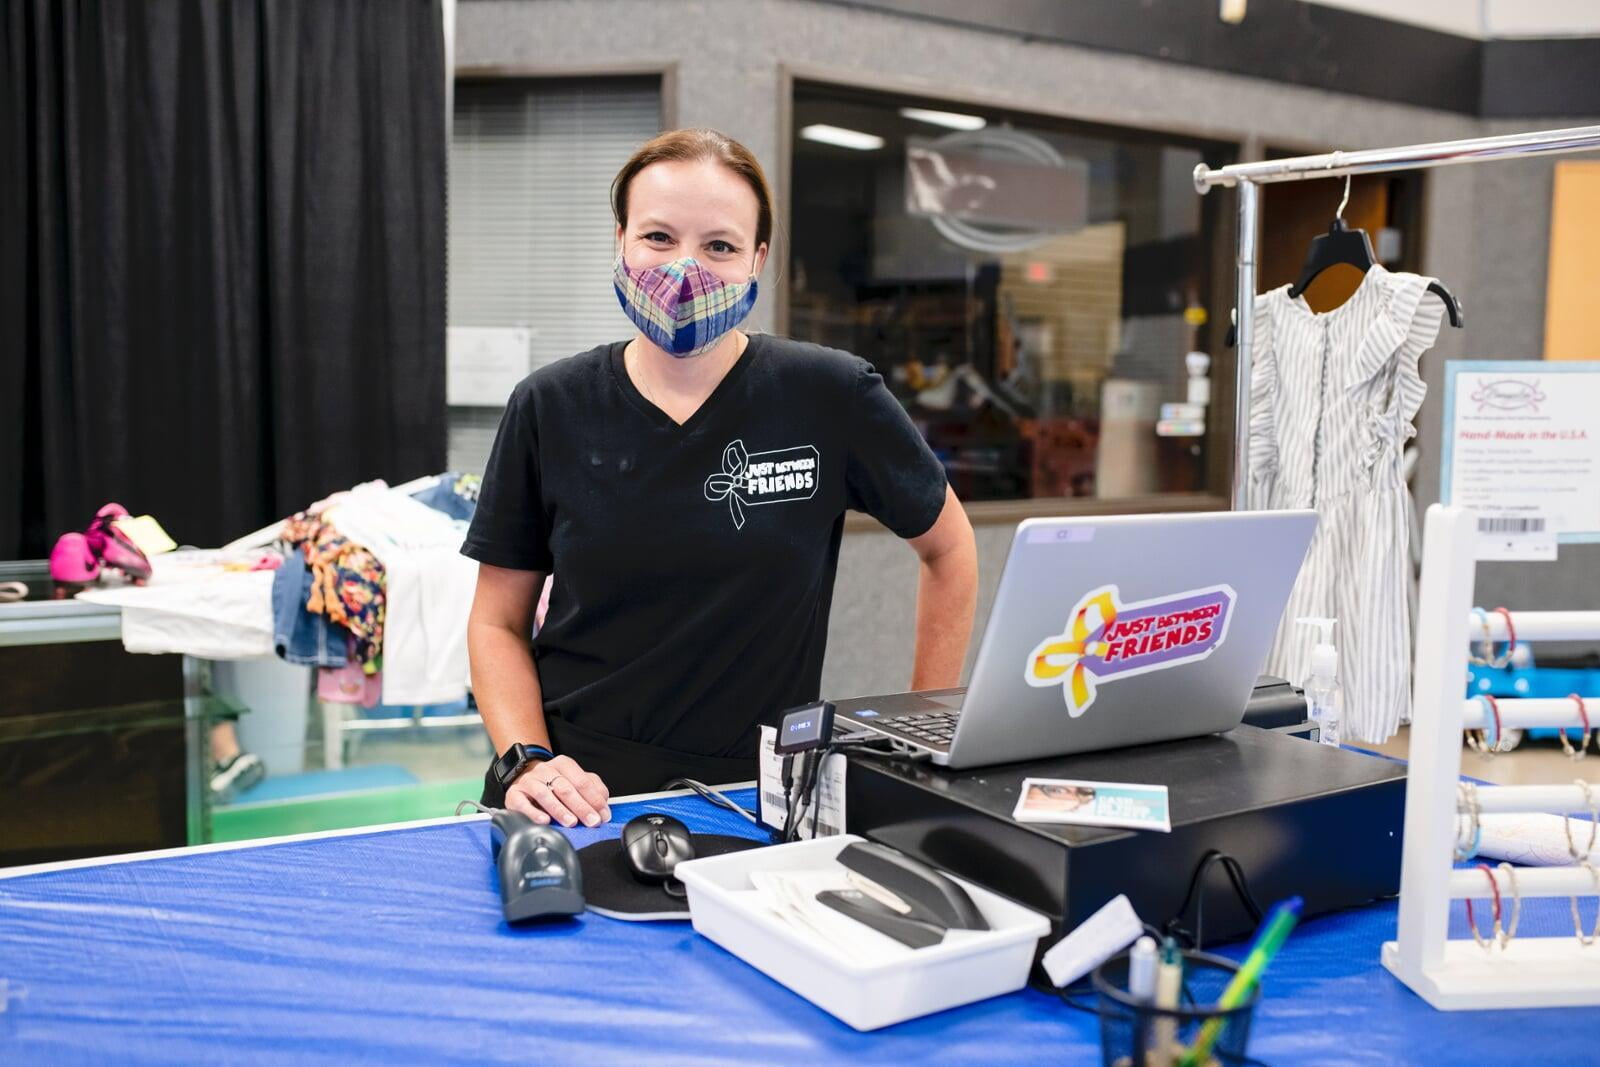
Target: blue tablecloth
[389, 946]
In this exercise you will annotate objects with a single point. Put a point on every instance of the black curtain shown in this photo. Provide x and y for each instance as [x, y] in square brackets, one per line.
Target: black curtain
[222, 258]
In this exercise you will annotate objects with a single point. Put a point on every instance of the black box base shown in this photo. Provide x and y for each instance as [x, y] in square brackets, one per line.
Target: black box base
[1301, 818]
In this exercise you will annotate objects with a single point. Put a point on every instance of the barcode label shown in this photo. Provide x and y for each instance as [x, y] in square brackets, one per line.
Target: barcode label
[1503, 525]
[827, 799]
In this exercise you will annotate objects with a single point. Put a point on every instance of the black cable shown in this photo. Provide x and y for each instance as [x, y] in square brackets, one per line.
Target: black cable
[705, 792]
[1241, 887]
[810, 761]
[1068, 995]
[788, 796]
[883, 748]
[814, 788]
[797, 805]
[814, 760]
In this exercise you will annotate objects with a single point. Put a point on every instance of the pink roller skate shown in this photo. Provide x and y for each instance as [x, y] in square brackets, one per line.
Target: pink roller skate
[114, 547]
[73, 565]
[106, 515]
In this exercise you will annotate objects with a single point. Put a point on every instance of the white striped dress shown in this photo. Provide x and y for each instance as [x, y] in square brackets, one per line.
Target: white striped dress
[1331, 402]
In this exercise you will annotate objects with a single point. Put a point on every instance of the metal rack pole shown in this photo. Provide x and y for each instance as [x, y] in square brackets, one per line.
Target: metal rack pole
[1411, 157]
[1249, 176]
[1244, 301]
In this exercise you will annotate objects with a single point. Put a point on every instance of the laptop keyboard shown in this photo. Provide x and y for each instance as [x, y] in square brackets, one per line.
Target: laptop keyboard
[930, 727]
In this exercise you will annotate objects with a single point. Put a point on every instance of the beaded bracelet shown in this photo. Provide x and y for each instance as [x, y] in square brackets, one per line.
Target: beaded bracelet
[1480, 741]
[1486, 656]
[1594, 824]
[1467, 796]
[1577, 924]
[1583, 739]
[1472, 923]
[1505, 936]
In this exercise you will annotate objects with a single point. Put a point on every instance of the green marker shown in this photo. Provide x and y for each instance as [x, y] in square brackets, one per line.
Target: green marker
[1270, 937]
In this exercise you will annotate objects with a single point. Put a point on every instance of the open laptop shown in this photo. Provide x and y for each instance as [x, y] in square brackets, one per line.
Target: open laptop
[1109, 631]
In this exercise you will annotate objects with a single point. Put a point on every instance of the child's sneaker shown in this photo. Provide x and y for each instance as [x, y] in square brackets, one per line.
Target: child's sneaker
[236, 776]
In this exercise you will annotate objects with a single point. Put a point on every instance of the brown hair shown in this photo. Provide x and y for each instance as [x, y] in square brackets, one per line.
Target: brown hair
[692, 146]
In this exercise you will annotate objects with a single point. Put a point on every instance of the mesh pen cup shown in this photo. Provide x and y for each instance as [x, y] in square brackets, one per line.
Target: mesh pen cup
[1136, 1033]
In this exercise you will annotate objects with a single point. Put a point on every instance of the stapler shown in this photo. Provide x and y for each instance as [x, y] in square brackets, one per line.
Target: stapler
[927, 896]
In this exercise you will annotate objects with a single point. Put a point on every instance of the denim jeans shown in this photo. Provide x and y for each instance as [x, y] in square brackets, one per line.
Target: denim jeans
[299, 636]
[454, 494]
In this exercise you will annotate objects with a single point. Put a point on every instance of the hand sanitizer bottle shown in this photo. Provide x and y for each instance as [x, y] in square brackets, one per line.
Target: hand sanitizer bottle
[1322, 687]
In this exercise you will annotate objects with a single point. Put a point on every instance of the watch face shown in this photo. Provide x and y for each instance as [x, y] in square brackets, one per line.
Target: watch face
[507, 765]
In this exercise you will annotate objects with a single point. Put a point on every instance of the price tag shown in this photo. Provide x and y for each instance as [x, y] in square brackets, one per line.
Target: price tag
[1503, 536]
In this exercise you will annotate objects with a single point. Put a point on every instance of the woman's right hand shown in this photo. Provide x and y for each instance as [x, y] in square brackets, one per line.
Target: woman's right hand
[560, 790]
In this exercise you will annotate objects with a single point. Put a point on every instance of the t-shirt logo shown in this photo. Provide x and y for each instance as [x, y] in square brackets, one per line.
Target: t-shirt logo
[1107, 639]
[751, 478]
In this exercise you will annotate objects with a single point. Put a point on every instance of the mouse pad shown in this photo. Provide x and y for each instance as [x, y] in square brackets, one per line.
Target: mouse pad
[610, 889]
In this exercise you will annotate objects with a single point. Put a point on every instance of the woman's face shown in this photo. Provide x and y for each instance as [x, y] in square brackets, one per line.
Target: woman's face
[1060, 797]
[699, 209]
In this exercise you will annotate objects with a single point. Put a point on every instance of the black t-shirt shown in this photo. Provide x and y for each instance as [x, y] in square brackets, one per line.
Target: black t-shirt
[694, 564]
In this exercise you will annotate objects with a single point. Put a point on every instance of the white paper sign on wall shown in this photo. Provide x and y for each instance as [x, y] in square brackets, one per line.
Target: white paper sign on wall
[484, 363]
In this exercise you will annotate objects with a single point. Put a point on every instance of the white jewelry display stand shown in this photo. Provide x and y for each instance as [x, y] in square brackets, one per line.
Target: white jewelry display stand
[1458, 975]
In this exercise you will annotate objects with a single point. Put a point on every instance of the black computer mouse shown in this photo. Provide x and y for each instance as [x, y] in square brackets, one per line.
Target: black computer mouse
[654, 846]
[539, 873]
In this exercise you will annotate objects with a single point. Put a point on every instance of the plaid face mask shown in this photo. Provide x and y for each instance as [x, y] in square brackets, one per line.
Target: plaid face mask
[681, 306]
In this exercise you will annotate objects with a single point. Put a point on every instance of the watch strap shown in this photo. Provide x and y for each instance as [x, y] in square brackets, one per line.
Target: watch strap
[515, 758]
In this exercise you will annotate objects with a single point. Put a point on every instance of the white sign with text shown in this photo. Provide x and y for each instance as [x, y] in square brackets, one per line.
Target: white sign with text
[1522, 448]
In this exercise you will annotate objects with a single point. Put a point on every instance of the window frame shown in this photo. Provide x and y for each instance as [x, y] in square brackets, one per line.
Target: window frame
[1220, 434]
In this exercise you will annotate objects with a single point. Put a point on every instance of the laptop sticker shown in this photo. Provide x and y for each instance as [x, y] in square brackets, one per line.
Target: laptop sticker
[1060, 535]
[1106, 639]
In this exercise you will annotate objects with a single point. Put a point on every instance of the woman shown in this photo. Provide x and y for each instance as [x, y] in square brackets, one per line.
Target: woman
[687, 488]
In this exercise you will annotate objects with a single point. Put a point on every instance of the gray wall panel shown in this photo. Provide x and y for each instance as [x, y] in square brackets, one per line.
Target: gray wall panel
[1486, 228]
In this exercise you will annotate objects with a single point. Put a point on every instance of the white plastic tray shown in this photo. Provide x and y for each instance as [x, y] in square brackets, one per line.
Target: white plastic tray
[968, 966]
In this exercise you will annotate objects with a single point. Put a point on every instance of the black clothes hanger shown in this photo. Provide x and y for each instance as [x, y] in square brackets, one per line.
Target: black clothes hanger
[1452, 306]
[1354, 248]
[1344, 245]
[1339, 245]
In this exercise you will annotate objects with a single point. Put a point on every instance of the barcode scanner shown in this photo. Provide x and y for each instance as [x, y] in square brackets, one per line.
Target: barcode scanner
[539, 873]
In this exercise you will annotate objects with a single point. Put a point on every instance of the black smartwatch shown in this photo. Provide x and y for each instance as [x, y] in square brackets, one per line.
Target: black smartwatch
[516, 758]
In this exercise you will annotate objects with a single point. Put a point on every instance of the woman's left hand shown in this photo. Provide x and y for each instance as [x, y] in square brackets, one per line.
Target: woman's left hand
[561, 790]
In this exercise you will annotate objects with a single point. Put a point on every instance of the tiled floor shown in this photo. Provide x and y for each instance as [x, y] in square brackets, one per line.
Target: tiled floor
[1531, 763]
